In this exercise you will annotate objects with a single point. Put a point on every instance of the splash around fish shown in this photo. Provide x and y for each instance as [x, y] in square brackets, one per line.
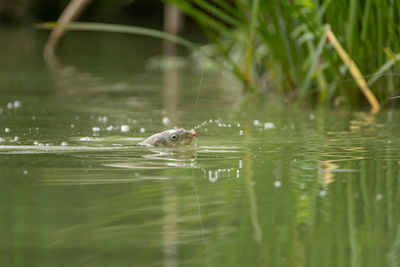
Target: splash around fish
[171, 138]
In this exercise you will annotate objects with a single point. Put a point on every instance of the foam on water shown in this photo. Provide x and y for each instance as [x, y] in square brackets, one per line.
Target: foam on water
[259, 125]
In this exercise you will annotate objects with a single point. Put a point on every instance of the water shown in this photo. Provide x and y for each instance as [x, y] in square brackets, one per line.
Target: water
[266, 184]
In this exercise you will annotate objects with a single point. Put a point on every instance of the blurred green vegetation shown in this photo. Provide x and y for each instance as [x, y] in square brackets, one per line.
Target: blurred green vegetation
[275, 47]
[280, 46]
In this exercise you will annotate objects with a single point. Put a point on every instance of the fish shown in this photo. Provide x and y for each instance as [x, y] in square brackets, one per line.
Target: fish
[170, 138]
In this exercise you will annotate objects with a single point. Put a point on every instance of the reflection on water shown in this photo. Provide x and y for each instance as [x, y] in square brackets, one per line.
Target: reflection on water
[264, 186]
[264, 198]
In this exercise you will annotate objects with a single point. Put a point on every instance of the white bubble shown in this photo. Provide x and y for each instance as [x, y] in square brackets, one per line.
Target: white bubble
[311, 116]
[40, 144]
[322, 193]
[72, 126]
[33, 118]
[229, 125]
[63, 144]
[16, 138]
[25, 172]
[10, 105]
[379, 197]
[241, 132]
[96, 129]
[277, 184]
[257, 123]
[238, 125]
[7, 130]
[87, 138]
[125, 128]
[36, 143]
[17, 104]
[142, 130]
[165, 120]
[269, 125]
[212, 178]
[210, 120]
[109, 128]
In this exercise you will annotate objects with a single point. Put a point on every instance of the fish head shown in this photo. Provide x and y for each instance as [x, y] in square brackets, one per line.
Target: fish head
[179, 137]
[171, 138]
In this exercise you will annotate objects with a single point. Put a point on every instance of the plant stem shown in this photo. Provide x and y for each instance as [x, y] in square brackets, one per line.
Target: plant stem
[250, 41]
[355, 72]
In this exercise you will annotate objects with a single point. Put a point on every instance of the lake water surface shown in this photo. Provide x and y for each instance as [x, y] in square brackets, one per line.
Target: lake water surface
[265, 185]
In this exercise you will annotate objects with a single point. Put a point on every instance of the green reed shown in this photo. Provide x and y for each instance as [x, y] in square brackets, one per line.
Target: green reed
[280, 45]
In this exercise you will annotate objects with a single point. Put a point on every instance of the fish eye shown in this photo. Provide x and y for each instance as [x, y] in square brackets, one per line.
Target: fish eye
[174, 137]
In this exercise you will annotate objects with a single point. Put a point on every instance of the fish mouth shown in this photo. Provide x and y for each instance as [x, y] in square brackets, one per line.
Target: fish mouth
[193, 134]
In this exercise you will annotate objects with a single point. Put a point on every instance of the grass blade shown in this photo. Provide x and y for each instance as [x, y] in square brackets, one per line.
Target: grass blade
[315, 58]
[218, 13]
[203, 18]
[250, 40]
[116, 28]
[393, 59]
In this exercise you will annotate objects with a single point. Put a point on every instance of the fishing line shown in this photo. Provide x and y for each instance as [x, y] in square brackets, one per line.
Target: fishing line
[202, 71]
[203, 238]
